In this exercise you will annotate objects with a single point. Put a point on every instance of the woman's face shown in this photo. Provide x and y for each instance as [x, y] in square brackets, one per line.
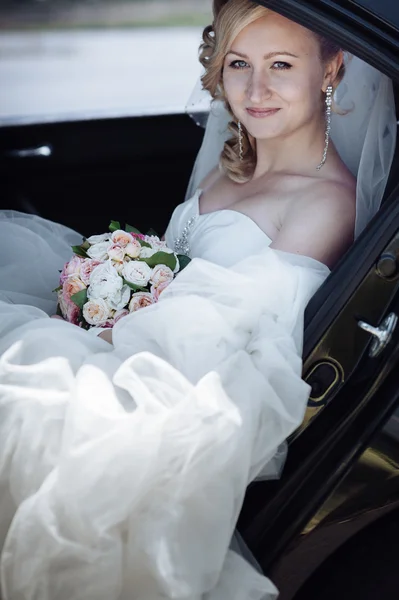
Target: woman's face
[273, 77]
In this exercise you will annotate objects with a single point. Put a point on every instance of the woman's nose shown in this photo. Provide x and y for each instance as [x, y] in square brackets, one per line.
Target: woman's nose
[258, 87]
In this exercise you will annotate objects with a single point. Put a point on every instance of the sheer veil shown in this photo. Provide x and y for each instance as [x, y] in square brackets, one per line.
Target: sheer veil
[364, 136]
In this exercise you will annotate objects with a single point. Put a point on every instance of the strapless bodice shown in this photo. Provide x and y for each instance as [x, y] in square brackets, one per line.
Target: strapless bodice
[223, 237]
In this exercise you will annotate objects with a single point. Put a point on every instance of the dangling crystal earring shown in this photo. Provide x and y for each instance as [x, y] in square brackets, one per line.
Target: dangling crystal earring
[240, 141]
[329, 91]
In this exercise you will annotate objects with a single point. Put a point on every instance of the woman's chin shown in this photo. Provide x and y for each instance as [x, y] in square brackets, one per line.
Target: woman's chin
[265, 133]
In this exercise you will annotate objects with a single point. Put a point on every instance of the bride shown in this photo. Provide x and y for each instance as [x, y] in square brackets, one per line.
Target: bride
[123, 466]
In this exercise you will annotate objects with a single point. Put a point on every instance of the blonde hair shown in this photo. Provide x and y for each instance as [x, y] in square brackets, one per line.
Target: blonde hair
[230, 18]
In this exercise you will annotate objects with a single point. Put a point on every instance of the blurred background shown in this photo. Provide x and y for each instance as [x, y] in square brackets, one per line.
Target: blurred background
[72, 59]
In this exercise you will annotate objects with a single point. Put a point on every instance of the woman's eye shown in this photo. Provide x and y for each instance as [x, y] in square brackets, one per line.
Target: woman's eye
[238, 64]
[281, 66]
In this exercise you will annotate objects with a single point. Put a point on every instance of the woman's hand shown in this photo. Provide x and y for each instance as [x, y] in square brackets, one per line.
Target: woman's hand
[106, 335]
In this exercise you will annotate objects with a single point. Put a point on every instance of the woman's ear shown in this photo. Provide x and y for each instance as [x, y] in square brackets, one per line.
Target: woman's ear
[332, 70]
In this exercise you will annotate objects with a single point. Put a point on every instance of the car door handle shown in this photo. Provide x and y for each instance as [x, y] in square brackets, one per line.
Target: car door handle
[382, 334]
[45, 151]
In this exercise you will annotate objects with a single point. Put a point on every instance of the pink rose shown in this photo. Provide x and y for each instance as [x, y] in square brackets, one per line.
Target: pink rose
[108, 324]
[86, 268]
[156, 291]
[140, 300]
[122, 238]
[71, 268]
[120, 314]
[63, 304]
[69, 310]
[72, 286]
[73, 313]
[160, 274]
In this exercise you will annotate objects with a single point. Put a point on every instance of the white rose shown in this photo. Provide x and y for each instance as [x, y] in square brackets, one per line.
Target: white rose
[104, 281]
[99, 251]
[96, 239]
[120, 298]
[147, 252]
[164, 248]
[133, 249]
[119, 267]
[154, 241]
[137, 272]
[116, 253]
[96, 311]
[161, 274]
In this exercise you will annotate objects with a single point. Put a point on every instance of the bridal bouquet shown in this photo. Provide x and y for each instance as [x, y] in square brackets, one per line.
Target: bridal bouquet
[114, 274]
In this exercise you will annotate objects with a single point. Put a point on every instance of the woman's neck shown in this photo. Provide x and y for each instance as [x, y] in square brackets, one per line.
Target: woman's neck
[300, 152]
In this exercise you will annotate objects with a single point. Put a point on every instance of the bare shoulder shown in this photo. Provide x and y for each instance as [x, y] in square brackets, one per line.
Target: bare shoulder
[330, 197]
[320, 222]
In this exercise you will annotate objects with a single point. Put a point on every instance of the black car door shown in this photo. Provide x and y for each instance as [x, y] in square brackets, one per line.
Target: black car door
[85, 173]
[351, 340]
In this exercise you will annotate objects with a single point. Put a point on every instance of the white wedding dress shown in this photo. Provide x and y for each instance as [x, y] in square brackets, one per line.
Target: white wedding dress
[123, 468]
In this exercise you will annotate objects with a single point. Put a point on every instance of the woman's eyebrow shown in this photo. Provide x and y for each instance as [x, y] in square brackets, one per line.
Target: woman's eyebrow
[266, 57]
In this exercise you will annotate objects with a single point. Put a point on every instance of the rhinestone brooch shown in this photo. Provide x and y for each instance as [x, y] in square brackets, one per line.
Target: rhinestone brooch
[182, 245]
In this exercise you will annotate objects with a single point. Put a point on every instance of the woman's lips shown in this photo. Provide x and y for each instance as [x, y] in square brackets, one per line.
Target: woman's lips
[259, 113]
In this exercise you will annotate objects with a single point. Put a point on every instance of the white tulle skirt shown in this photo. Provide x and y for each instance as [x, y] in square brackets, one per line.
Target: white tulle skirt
[123, 468]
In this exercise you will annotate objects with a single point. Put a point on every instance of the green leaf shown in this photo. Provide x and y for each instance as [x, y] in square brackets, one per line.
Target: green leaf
[161, 258]
[134, 287]
[114, 226]
[183, 261]
[79, 251]
[57, 289]
[143, 243]
[152, 232]
[83, 323]
[80, 298]
[131, 229]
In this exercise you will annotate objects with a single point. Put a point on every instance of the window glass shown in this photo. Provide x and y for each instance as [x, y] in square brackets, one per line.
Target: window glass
[69, 59]
[387, 9]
